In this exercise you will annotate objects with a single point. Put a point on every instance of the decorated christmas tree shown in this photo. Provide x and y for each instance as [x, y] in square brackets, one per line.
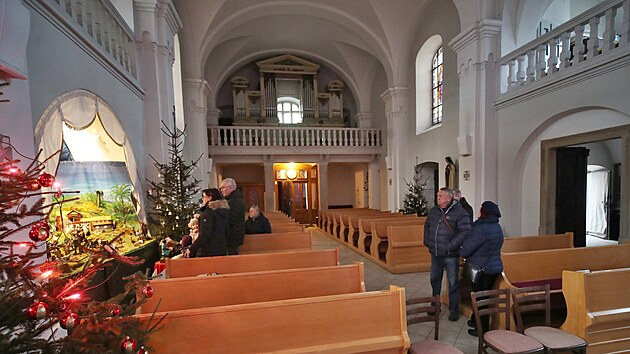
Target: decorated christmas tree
[415, 203]
[43, 310]
[175, 196]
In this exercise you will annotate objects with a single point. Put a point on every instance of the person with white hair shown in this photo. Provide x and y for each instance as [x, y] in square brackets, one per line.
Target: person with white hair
[236, 229]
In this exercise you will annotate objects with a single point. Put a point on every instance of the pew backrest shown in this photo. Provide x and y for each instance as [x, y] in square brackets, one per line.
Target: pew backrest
[537, 242]
[276, 242]
[549, 264]
[240, 288]
[190, 267]
[372, 322]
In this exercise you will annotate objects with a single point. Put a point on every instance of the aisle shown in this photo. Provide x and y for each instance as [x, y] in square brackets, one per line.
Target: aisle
[415, 284]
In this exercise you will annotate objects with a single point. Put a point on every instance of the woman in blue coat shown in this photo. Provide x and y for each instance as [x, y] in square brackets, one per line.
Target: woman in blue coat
[482, 247]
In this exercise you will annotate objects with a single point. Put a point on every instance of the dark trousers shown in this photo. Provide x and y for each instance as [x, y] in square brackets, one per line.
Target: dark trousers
[233, 250]
[450, 264]
[486, 282]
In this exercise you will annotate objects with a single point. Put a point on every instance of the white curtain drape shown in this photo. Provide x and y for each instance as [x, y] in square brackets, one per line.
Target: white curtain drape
[78, 109]
[596, 194]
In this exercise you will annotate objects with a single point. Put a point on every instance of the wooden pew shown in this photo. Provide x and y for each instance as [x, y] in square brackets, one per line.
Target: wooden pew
[521, 269]
[242, 288]
[405, 249]
[336, 227]
[365, 229]
[344, 222]
[286, 228]
[598, 308]
[326, 324]
[289, 241]
[379, 234]
[537, 242]
[353, 225]
[545, 267]
[190, 267]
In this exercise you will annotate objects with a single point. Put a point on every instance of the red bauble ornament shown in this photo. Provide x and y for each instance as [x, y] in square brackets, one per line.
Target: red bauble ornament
[34, 186]
[69, 321]
[38, 310]
[46, 180]
[58, 194]
[39, 231]
[128, 345]
[147, 291]
[142, 350]
[115, 312]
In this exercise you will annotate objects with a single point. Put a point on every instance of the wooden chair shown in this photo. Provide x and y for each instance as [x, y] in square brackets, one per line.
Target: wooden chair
[497, 301]
[427, 309]
[538, 298]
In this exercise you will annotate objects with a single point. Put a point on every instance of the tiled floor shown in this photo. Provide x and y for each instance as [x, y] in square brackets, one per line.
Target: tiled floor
[415, 284]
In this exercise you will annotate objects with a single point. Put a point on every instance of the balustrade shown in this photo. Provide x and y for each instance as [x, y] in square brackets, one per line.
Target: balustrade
[98, 22]
[569, 45]
[294, 137]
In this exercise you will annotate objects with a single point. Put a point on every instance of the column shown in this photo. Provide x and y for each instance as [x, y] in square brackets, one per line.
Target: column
[322, 174]
[156, 24]
[396, 108]
[195, 93]
[477, 49]
[374, 186]
[269, 180]
[363, 119]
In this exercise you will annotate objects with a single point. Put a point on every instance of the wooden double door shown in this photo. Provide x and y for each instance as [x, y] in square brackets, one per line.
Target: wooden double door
[298, 199]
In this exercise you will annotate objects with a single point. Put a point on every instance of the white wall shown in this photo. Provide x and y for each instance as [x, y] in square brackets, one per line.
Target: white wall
[592, 104]
[440, 141]
[58, 65]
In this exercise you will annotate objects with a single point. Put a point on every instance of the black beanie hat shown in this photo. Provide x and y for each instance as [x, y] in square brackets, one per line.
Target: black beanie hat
[490, 208]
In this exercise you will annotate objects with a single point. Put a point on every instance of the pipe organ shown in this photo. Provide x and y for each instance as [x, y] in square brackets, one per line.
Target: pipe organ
[287, 78]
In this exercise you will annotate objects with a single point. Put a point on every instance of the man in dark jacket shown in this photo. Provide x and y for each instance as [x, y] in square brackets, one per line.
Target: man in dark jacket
[457, 194]
[445, 229]
[256, 222]
[236, 230]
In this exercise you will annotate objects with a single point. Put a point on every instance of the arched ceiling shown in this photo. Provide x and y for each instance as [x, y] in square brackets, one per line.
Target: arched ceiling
[354, 38]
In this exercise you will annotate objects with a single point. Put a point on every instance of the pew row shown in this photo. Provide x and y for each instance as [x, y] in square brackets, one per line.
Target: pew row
[190, 267]
[598, 308]
[242, 288]
[537, 242]
[365, 228]
[326, 324]
[288, 241]
[379, 234]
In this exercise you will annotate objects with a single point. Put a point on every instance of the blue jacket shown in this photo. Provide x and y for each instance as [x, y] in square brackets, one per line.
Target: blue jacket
[483, 246]
[441, 241]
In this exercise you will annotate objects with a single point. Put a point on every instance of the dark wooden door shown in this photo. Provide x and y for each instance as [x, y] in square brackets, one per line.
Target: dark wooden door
[571, 172]
[615, 204]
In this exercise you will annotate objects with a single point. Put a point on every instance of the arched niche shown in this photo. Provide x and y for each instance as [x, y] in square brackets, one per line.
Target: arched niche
[78, 110]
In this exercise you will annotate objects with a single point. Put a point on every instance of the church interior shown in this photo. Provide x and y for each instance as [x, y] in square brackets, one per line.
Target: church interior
[328, 113]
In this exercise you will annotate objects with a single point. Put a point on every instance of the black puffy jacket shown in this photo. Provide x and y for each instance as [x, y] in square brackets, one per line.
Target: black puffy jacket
[483, 246]
[236, 230]
[438, 237]
[213, 225]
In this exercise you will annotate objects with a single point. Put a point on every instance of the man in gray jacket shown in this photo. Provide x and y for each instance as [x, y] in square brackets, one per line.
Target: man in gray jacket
[444, 231]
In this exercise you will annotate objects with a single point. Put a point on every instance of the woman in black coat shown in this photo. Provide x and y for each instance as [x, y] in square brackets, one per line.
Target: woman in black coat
[213, 224]
[482, 247]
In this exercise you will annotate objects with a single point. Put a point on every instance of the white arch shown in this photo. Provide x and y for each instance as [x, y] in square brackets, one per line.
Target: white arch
[78, 109]
[424, 59]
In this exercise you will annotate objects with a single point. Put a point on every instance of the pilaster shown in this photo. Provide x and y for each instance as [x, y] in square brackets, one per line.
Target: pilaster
[195, 93]
[269, 179]
[477, 49]
[396, 111]
[323, 182]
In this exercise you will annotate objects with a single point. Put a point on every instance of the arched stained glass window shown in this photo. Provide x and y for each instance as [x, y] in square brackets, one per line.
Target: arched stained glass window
[289, 110]
[437, 70]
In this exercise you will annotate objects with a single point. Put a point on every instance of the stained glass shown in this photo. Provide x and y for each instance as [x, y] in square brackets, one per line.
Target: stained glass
[437, 71]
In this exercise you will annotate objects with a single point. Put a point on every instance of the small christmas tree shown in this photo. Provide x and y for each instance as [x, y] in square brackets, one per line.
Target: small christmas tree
[173, 196]
[415, 203]
[36, 298]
